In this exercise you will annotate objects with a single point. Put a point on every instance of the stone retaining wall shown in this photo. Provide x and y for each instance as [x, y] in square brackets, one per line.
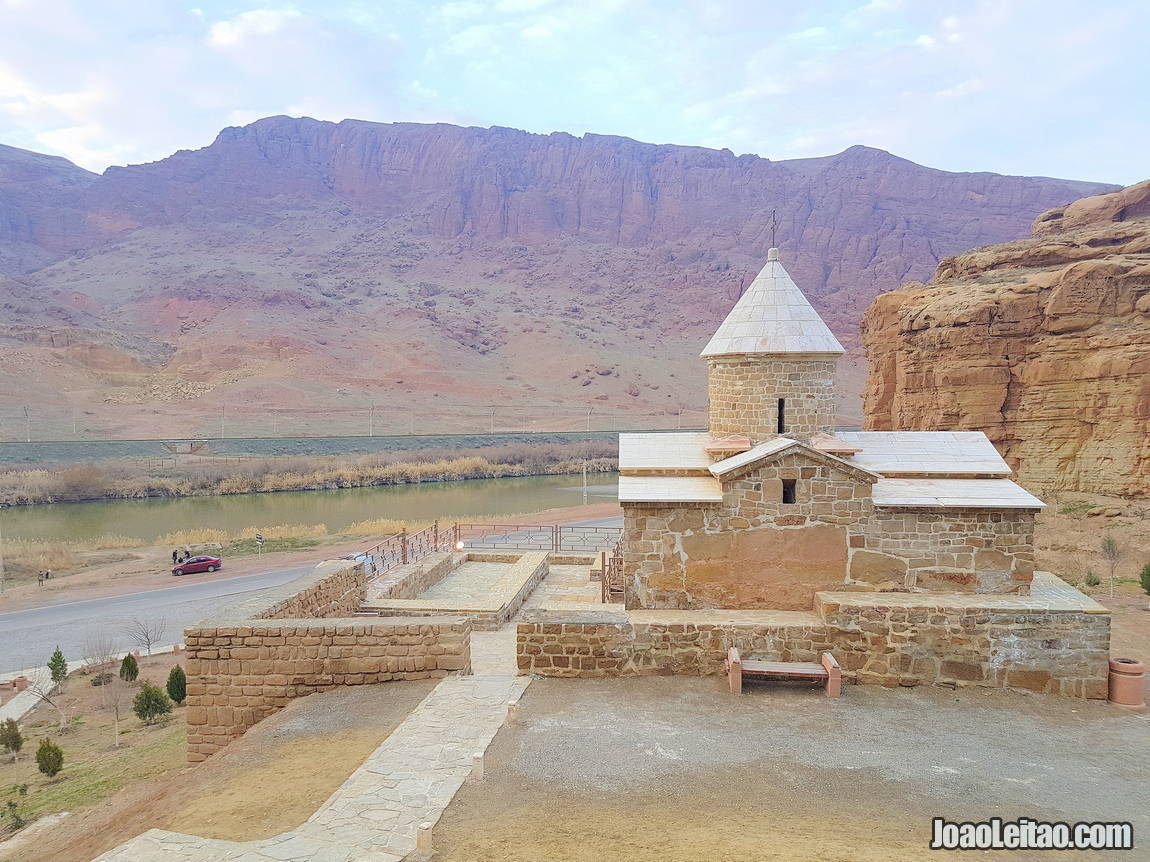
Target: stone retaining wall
[407, 582]
[1057, 645]
[251, 659]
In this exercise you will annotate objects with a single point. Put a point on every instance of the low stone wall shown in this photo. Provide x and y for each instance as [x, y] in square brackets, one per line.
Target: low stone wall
[335, 589]
[407, 582]
[250, 660]
[1057, 642]
[524, 572]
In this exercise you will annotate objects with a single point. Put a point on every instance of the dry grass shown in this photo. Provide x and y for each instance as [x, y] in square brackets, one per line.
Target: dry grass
[120, 480]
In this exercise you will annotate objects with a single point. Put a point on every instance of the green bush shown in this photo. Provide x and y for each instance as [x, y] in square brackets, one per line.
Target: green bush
[58, 666]
[49, 757]
[1144, 578]
[151, 703]
[177, 684]
[129, 668]
[1091, 579]
[10, 737]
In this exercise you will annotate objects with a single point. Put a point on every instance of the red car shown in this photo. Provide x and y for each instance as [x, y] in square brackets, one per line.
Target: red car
[197, 564]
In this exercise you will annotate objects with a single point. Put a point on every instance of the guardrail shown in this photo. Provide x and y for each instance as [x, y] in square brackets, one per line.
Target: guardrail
[404, 547]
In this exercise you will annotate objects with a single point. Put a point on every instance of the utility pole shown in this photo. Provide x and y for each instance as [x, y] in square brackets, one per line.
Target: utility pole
[680, 425]
[75, 432]
[221, 421]
[1, 550]
[589, 412]
[492, 420]
[371, 421]
[28, 424]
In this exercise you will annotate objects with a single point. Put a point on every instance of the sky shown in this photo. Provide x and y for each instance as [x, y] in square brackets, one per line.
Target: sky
[1039, 87]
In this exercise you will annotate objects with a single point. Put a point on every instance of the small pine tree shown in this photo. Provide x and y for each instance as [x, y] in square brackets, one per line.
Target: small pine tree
[49, 757]
[129, 668]
[1144, 578]
[10, 737]
[177, 684]
[58, 666]
[151, 703]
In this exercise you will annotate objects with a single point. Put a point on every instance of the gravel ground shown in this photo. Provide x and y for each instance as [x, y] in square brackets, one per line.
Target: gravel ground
[677, 768]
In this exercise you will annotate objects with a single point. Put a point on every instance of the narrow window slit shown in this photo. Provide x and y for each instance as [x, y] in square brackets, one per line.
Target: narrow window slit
[782, 415]
[788, 490]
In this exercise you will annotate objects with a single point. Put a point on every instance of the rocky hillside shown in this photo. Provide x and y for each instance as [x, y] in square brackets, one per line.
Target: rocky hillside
[296, 264]
[1044, 343]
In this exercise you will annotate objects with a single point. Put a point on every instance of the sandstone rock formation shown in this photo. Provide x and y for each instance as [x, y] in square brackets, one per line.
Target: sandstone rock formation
[1043, 343]
[337, 265]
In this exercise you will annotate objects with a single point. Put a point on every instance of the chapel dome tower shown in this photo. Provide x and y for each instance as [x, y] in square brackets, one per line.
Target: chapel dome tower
[771, 364]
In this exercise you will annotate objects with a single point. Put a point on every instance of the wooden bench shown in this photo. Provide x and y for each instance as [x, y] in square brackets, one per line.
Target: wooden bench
[825, 670]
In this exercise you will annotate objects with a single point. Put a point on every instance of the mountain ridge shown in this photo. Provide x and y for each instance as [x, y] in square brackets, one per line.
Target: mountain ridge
[359, 254]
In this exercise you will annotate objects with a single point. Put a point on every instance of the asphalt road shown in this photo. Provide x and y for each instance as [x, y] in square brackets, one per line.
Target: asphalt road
[27, 638]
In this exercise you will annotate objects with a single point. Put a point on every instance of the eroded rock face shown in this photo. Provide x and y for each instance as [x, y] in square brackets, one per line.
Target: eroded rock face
[1043, 343]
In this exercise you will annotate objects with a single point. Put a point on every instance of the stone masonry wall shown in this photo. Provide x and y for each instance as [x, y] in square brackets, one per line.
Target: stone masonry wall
[947, 550]
[878, 638]
[744, 391]
[407, 582]
[252, 658]
[752, 550]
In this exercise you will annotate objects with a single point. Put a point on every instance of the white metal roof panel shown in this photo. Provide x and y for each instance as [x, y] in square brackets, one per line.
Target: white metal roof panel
[670, 489]
[926, 452]
[953, 494]
[684, 450]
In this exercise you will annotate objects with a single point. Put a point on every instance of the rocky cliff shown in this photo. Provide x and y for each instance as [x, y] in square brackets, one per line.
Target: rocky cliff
[339, 265]
[1044, 343]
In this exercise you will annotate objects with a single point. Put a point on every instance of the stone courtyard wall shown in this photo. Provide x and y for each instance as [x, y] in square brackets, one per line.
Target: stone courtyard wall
[947, 550]
[752, 550]
[1058, 644]
[249, 661]
[743, 393]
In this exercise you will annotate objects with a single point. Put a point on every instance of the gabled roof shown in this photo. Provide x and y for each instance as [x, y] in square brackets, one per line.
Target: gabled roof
[924, 453]
[731, 444]
[670, 489]
[953, 494]
[728, 468]
[772, 316]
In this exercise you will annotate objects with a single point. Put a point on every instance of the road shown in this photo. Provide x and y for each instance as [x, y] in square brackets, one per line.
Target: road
[27, 638]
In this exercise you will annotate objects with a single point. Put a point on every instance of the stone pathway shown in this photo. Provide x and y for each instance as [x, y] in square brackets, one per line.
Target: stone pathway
[413, 775]
[410, 779]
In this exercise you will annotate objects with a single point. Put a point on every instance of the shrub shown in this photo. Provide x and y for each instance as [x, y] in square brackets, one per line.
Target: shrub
[14, 811]
[177, 684]
[10, 737]
[49, 757]
[129, 668]
[58, 666]
[1091, 579]
[151, 703]
[1144, 578]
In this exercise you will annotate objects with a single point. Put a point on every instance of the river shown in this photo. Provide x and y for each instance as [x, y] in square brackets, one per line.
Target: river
[479, 499]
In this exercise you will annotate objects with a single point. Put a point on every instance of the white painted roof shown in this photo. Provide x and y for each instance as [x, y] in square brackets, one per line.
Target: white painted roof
[682, 450]
[925, 452]
[772, 316]
[953, 493]
[727, 465]
[669, 489]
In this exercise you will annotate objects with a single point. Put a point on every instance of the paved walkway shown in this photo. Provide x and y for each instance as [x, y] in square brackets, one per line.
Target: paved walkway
[413, 775]
[472, 581]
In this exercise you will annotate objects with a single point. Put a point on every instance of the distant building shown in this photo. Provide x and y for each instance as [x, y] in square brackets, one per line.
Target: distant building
[773, 504]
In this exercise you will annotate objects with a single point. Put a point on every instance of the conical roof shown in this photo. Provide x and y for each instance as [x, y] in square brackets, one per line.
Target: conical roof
[772, 316]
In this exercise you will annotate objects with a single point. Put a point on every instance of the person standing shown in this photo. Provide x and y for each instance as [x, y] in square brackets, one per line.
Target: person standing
[175, 557]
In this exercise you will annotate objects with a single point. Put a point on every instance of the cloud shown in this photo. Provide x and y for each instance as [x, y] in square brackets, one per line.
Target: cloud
[258, 22]
[108, 81]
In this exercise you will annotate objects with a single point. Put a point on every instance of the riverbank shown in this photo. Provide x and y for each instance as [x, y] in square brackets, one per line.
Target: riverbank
[148, 568]
[193, 475]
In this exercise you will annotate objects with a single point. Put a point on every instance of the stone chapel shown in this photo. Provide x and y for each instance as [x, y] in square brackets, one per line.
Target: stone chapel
[772, 504]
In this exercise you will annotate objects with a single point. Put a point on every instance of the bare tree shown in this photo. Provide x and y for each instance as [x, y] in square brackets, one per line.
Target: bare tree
[100, 654]
[146, 634]
[48, 694]
[1112, 553]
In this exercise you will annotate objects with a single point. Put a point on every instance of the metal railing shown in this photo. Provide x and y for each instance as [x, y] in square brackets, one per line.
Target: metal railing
[404, 547]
